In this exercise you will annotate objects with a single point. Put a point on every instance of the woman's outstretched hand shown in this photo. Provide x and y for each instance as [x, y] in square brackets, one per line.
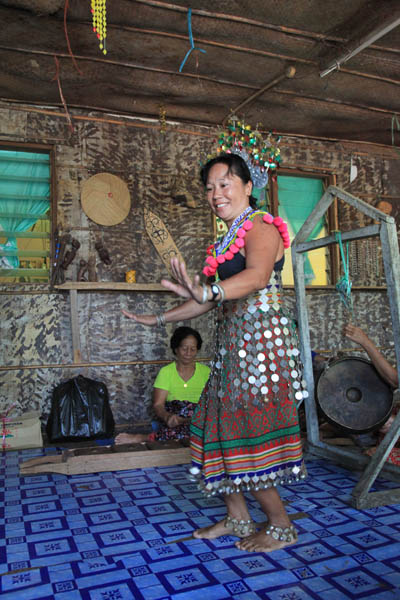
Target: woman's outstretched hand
[185, 286]
[148, 320]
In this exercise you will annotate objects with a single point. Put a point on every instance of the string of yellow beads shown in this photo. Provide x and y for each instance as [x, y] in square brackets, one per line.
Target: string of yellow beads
[99, 19]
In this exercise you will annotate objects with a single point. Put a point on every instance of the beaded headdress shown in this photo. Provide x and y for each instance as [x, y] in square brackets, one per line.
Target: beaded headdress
[261, 155]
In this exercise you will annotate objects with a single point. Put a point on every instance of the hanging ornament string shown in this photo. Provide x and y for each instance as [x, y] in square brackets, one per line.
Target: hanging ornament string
[99, 19]
[192, 46]
[162, 118]
[344, 284]
[67, 38]
[57, 77]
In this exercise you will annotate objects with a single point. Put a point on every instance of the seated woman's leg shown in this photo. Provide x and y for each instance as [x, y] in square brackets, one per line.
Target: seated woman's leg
[131, 438]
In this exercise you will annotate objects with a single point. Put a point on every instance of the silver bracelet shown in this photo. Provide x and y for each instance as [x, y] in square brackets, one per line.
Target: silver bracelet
[205, 294]
[221, 292]
[160, 318]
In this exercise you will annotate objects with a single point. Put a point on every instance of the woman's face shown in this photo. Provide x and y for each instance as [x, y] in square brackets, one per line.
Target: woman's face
[227, 195]
[186, 352]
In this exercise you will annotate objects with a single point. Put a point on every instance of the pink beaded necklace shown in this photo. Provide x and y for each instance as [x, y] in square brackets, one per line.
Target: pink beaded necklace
[219, 253]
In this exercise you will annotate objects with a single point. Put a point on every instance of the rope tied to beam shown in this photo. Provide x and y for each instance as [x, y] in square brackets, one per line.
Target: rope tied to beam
[343, 286]
[57, 78]
[192, 46]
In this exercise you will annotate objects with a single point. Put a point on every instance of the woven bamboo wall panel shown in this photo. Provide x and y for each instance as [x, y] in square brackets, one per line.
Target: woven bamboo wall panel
[161, 172]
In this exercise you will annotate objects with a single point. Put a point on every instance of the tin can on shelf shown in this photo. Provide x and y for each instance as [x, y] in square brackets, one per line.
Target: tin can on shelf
[130, 277]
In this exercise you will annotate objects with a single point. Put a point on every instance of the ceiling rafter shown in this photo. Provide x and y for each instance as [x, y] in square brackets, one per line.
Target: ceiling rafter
[350, 105]
[247, 53]
[292, 31]
[256, 91]
[247, 50]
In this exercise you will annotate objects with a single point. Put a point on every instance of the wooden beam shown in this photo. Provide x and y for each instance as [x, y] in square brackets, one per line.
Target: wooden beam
[76, 342]
[390, 21]
[292, 31]
[118, 363]
[289, 73]
[69, 464]
[24, 234]
[347, 236]
[120, 286]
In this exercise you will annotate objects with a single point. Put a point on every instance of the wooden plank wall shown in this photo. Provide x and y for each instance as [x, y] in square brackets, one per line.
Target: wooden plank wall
[35, 325]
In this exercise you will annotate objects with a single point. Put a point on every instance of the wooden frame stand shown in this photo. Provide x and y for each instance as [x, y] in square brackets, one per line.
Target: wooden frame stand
[385, 227]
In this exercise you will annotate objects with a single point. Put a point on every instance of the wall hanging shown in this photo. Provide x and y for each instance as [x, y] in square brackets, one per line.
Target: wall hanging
[105, 199]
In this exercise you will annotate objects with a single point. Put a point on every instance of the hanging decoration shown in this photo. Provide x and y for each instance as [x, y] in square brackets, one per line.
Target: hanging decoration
[99, 18]
[395, 122]
[57, 78]
[353, 170]
[67, 38]
[261, 155]
[192, 46]
[161, 238]
[162, 117]
[344, 284]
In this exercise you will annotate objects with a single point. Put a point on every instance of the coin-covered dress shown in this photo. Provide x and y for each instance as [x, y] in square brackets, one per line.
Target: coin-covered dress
[245, 432]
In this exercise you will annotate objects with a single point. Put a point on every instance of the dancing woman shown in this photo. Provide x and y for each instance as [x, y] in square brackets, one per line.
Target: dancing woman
[244, 432]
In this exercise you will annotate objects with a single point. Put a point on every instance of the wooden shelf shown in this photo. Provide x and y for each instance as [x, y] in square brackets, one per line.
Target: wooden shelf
[73, 287]
[119, 286]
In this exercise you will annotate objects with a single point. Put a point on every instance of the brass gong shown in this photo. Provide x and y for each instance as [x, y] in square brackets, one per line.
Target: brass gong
[353, 396]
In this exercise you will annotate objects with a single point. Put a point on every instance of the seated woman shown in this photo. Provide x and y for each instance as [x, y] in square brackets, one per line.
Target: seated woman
[176, 390]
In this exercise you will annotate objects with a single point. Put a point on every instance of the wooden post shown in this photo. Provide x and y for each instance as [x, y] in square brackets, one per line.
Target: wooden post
[76, 340]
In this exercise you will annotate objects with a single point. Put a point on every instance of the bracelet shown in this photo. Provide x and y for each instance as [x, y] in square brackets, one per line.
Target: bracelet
[160, 318]
[221, 291]
[205, 294]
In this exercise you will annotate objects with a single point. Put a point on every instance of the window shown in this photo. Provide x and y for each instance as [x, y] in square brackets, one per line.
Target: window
[26, 223]
[293, 196]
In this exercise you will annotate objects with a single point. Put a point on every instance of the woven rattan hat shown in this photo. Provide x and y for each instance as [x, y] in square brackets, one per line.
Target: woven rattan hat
[105, 199]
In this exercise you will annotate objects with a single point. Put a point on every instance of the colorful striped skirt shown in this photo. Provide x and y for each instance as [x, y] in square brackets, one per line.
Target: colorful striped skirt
[244, 432]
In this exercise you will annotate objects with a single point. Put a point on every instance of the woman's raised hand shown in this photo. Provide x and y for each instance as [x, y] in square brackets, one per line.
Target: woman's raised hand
[143, 319]
[186, 287]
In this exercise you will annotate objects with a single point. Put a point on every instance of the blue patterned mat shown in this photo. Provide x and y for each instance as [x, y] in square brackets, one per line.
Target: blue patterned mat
[105, 536]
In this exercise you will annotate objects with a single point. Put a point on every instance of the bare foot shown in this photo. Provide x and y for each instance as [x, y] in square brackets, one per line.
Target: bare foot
[131, 438]
[262, 542]
[217, 530]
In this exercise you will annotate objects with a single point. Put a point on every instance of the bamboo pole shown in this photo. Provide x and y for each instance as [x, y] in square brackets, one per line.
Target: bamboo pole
[79, 365]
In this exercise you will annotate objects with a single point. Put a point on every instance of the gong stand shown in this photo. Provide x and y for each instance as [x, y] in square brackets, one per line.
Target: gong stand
[385, 228]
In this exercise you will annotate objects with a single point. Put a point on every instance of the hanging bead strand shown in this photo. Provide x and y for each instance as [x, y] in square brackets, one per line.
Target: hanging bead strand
[99, 19]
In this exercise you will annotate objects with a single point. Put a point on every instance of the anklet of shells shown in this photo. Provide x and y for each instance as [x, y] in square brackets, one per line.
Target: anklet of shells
[287, 534]
[240, 527]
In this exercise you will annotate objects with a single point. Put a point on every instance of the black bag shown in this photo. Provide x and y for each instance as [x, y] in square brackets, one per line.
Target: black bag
[80, 410]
